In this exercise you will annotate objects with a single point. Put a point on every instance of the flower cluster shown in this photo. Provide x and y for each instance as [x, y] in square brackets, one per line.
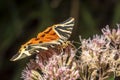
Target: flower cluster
[99, 59]
[58, 67]
[100, 56]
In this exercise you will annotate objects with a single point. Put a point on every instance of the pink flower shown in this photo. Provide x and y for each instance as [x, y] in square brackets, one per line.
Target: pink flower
[58, 67]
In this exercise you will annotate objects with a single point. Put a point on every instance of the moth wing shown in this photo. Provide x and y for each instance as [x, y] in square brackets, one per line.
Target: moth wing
[64, 29]
[45, 45]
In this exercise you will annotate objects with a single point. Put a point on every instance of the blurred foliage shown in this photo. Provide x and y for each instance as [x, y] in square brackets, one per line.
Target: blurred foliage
[21, 20]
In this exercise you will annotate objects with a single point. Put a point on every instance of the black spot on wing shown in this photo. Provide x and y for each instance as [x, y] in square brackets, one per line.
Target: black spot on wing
[40, 42]
[29, 43]
[54, 33]
[36, 39]
[48, 30]
[42, 35]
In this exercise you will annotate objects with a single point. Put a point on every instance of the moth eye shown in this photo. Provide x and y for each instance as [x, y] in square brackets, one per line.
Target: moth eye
[26, 47]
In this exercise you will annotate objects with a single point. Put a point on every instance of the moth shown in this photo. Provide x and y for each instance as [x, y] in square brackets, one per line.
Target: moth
[57, 34]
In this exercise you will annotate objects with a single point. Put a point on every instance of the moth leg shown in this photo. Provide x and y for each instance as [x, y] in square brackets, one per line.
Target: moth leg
[66, 44]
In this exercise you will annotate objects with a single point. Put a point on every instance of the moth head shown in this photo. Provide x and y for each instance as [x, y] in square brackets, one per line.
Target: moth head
[27, 50]
[23, 52]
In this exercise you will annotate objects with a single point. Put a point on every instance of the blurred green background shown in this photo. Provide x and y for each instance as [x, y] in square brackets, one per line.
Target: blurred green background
[21, 20]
